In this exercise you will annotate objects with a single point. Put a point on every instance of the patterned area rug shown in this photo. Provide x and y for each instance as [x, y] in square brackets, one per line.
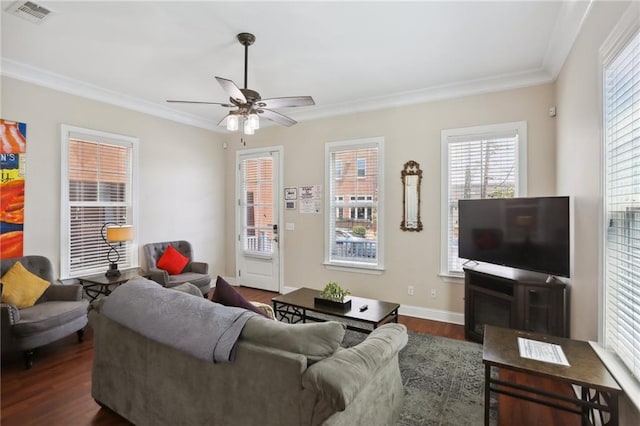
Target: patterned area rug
[443, 381]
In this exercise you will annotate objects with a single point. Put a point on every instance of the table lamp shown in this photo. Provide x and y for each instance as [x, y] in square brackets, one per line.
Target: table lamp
[115, 234]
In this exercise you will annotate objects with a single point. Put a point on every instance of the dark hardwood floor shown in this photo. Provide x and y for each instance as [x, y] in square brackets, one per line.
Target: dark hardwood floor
[57, 390]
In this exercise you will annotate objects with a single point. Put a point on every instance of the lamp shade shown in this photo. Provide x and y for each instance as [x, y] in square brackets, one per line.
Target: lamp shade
[248, 130]
[119, 233]
[232, 123]
[254, 121]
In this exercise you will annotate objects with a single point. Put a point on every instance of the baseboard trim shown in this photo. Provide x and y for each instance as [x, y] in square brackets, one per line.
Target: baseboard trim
[432, 314]
[418, 312]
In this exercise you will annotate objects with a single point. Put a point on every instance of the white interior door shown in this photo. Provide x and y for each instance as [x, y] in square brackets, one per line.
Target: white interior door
[258, 192]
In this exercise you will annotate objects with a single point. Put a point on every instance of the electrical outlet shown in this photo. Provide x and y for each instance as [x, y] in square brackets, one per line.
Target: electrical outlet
[433, 293]
[410, 290]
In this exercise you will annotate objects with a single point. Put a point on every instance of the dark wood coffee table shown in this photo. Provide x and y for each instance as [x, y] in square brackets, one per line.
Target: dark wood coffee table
[599, 390]
[300, 306]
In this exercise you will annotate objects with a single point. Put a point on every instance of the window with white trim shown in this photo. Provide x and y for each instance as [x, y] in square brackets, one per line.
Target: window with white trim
[354, 222]
[361, 213]
[97, 187]
[621, 319]
[339, 208]
[478, 162]
[362, 167]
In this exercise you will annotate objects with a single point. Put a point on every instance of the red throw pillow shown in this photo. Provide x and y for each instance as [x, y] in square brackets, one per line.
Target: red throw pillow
[226, 295]
[172, 261]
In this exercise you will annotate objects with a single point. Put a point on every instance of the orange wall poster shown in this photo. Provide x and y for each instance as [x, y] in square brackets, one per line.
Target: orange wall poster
[13, 144]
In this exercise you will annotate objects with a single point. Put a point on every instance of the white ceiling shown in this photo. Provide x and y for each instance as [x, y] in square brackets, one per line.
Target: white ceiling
[350, 56]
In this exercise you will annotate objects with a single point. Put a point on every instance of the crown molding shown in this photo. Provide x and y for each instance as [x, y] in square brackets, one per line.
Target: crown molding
[567, 27]
[30, 74]
[430, 94]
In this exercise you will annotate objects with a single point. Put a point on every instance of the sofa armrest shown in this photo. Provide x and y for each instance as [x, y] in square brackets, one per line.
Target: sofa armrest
[64, 292]
[338, 378]
[158, 275]
[199, 267]
[9, 315]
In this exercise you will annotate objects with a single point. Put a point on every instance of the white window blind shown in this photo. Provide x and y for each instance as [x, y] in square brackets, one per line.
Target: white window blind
[480, 163]
[353, 234]
[622, 205]
[257, 187]
[97, 189]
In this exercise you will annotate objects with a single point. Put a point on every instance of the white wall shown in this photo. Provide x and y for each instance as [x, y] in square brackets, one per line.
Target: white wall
[410, 133]
[181, 171]
[579, 158]
[579, 153]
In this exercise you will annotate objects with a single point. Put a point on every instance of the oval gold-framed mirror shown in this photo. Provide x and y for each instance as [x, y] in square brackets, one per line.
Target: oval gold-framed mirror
[411, 180]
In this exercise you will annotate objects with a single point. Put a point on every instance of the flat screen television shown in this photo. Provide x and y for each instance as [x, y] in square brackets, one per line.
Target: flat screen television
[530, 233]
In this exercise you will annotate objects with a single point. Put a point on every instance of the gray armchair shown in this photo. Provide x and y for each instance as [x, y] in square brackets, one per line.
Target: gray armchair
[197, 273]
[60, 311]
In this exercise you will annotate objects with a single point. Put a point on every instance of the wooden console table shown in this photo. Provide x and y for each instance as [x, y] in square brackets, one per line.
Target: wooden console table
[599, 393]
[100, 285]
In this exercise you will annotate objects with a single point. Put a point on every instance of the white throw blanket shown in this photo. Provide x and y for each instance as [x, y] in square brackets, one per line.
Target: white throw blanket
[195, 325]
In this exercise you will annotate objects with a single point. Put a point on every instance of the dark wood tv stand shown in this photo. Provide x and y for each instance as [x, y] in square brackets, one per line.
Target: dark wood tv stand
[512, 298]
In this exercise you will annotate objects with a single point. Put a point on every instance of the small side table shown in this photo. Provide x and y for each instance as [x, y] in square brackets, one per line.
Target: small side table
[599, 389]
[100, 285]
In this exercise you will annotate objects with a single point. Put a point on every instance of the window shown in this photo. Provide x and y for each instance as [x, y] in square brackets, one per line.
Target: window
[354, 234]
[98, 186]
[338, 169]
[621, 319]
[362, 166]
[478, 162]
[340, 210]
[257, 185]
[363, 213]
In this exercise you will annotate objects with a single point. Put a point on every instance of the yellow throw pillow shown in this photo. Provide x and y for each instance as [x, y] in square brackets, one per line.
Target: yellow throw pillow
[22, 288]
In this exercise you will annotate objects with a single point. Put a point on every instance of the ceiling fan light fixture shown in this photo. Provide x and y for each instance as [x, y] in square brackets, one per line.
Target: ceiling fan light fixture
[232, 123]
[248, 130]
[254, 121]
[248, 102]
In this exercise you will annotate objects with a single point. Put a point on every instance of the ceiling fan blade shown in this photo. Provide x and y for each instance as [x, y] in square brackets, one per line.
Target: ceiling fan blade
[233, 90]
[199, 102]
[286, 102]
[277, 117]
[223, 120]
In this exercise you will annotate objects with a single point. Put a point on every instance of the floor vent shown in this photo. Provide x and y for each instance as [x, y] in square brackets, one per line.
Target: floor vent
[30, 11]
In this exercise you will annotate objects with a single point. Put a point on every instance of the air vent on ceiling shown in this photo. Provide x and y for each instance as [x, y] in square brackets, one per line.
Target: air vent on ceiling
[30, 11]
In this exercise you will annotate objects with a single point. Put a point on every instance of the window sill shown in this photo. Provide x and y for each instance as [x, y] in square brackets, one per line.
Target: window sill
[620, 372]
[451, 278]
[361, 269]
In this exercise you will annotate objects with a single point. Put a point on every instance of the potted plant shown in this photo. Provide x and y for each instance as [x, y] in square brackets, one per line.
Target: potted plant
[334, 295]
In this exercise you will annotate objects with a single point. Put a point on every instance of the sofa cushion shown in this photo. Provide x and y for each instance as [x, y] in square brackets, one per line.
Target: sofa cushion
[21, 287]
[48, 315]
[172, 261]
[226, 295]
[188, 288]
[316, 341]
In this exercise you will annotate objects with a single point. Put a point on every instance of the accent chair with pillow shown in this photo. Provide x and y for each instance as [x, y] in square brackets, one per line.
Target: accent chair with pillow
[35, 311]
[171, 263]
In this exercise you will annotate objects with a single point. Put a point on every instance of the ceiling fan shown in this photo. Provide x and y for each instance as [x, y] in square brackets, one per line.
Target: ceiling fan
[248, 103]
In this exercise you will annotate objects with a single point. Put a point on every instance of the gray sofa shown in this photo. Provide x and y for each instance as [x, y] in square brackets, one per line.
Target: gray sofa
[196, 273]
[282, 374]
[60, 311]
